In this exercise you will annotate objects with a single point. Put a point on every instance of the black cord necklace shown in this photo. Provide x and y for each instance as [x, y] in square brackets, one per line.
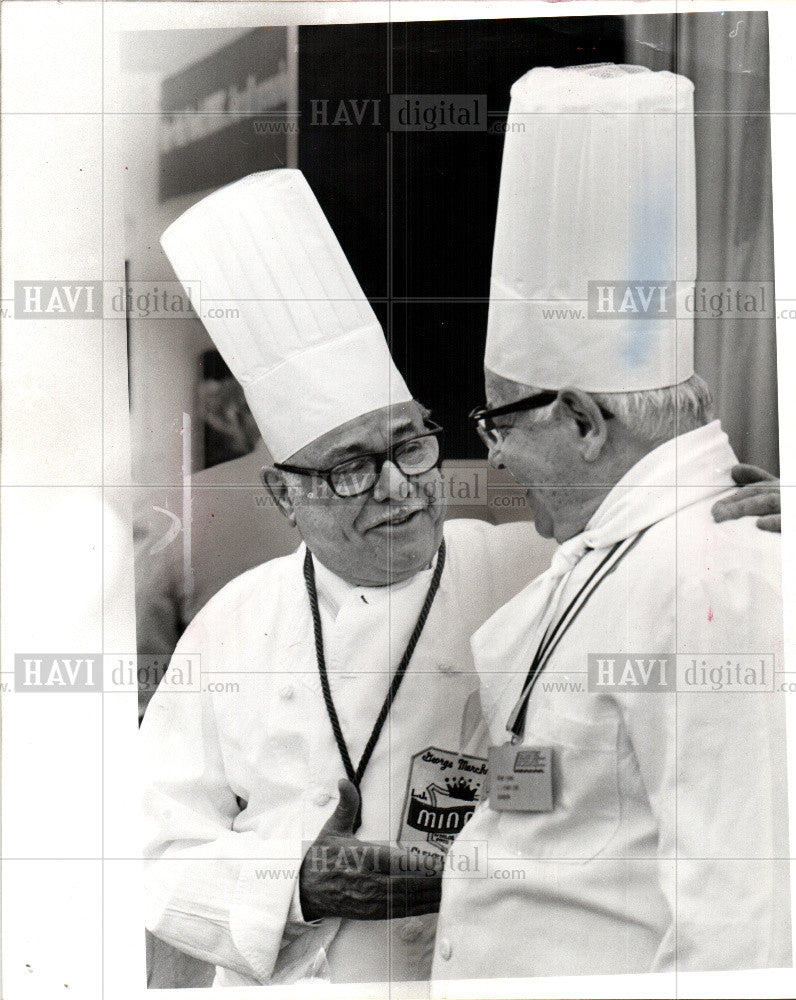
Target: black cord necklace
[355, 776]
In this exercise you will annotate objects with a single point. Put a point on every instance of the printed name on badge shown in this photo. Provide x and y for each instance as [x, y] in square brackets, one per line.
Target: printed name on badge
[441, 795]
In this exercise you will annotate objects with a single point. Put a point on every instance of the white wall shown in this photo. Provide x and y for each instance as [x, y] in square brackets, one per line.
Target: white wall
[163, 353]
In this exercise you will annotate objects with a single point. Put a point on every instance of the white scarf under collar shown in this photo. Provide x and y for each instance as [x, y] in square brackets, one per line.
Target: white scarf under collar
[683, 471]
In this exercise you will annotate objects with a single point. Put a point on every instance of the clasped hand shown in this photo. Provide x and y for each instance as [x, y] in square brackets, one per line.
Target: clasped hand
[342, 876]
[759, 496]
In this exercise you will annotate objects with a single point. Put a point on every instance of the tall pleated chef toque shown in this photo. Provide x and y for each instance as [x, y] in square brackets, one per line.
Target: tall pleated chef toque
[597, 185]
[306, 346]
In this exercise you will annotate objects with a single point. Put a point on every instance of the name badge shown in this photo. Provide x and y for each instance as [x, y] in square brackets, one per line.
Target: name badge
[521, 778]
[441, 795]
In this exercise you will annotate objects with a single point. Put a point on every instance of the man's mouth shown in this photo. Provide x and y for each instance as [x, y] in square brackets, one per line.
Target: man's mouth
[399, 515]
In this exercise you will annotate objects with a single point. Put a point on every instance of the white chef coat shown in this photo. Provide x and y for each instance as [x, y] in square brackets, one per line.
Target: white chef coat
[666, 845]
[239, 781]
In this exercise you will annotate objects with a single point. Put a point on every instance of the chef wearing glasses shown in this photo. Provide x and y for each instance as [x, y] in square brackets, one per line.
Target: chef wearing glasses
[348, 659]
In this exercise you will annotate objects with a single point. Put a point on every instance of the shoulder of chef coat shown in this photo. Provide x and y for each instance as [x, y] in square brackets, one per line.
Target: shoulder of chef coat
[707, 584]
[261, 604]
[492, 563]
[731, 586]
[737, 544]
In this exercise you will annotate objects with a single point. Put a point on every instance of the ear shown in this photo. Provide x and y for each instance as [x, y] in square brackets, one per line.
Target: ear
[274, 482]
[578, 407]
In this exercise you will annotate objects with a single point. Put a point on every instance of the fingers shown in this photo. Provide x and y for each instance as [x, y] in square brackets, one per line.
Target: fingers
[383, 897]
[756, 501]
[771, 522]
[390, 899]
[413, 897]
[343, 818]
[337, 880]
[745, 474]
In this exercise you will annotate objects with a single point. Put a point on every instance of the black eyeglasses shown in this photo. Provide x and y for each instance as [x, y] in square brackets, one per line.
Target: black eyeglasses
[357, 475]
[483, 417]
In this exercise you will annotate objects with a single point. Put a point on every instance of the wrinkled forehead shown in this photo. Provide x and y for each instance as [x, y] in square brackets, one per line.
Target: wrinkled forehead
[374, 431]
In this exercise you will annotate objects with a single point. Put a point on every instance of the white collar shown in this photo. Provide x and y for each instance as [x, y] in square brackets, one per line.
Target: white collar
[334, 592]
[681, 472]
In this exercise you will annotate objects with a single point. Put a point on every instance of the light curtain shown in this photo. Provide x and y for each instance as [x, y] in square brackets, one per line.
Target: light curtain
[726, 57]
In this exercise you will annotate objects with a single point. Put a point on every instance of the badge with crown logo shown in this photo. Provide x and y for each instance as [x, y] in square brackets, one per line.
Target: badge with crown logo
[441, 795]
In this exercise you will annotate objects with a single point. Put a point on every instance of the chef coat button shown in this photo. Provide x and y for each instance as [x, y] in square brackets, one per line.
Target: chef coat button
[286, 691]
[412, 930]
[444, 949]
[322, 798]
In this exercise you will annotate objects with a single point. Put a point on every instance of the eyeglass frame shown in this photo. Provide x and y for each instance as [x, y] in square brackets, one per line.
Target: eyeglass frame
[533, 402]
[434, 430]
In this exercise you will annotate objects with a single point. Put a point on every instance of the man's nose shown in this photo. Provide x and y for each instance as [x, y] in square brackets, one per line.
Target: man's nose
[494, 456]
[392, 484]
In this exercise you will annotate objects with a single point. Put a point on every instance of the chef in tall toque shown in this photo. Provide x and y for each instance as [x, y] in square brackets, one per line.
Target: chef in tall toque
[349, 659]
[637, 802]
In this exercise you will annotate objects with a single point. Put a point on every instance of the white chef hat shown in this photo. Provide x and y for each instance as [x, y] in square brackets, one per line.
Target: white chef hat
[597, 185]
[305, 345]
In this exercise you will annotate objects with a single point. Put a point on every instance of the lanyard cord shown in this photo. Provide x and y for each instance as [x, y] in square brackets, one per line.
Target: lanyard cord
[554, 635]
[355, 776]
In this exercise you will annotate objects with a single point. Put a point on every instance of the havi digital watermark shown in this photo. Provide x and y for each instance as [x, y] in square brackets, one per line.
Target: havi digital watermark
[670, 672]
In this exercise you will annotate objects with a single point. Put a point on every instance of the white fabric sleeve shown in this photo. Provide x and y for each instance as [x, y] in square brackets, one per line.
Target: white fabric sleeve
[713, 764]
[217, 894]
[295, 915]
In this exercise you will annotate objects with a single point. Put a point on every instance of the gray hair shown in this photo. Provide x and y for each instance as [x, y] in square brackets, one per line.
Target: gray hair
[655, 415]
[660, 414]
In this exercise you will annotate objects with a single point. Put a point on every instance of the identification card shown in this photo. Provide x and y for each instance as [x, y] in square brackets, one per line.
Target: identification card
[441, 795]
[521, 778]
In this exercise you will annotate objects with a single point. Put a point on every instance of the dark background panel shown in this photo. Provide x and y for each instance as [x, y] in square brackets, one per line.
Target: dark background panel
[427, 340]
[348, 164]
